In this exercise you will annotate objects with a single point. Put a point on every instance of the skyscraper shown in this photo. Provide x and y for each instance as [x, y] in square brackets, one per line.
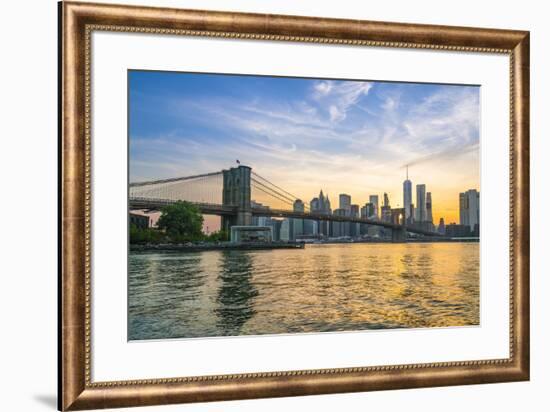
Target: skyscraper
[324, 203]
[345, 207]
[314, 204]
[441, 227]
[421, 215]
[367, 211]
[311, 226]
[286, 230]
[321, 205]
[298, 224]
[429, 216]
[339, 228]
[374, 200]
[386, 209]
[345, 203]
[473, 207]
[469, 208]
[355, 227]
[407, 198]
[462, 208]
[411, 214]
[298, 206]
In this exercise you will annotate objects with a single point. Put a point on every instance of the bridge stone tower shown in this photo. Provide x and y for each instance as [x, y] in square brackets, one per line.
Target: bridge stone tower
[398, 235]
[236, 193]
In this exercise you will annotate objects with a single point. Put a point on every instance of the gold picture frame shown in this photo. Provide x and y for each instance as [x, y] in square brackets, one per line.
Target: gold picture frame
[79, 20]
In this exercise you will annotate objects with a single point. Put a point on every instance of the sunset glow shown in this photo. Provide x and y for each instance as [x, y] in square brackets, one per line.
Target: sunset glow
[353, 137]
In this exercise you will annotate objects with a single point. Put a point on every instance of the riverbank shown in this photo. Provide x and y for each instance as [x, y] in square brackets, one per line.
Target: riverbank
[200, 247]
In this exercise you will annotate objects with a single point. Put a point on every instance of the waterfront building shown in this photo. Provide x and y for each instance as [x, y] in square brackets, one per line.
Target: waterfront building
[339, 228]
[407, 198]
[454, 230]
[286, 230]
[276, 225]
[310, 227]
[355, 227]
[251, 234]
[421, 215]
[469, 208]
[374, 200]
[261, 221]
[297, 228]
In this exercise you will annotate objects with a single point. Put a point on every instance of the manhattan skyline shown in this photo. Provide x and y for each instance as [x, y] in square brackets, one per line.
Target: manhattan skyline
[353, 137]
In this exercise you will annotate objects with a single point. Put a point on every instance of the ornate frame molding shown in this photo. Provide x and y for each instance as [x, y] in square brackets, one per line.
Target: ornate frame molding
[79, 20]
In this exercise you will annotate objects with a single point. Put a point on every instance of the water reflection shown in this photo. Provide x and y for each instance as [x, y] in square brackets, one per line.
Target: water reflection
[319, 288]
[236, 292]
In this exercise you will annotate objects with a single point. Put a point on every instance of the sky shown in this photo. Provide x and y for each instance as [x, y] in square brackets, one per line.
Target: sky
[304, 135]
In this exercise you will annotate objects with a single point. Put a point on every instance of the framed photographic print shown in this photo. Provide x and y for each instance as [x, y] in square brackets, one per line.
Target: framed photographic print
[263, 205]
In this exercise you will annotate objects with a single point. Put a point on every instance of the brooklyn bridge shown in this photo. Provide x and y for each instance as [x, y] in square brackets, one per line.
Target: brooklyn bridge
[231, 194]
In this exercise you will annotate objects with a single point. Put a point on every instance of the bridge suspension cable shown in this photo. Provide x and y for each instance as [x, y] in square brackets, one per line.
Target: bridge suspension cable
[173, 179]
[204, 188]
[269, 193]
[274, 185]
[275, 190]
[208, 188]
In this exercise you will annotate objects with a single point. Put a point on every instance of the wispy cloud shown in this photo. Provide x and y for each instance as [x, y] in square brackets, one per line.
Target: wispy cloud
[339, 96]
[342, 136]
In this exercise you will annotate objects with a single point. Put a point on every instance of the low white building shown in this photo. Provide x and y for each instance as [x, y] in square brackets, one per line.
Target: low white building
[251, 234]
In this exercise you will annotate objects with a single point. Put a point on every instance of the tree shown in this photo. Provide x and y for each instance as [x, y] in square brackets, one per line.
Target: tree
[182, 221]
[144, 235]
[219, 236]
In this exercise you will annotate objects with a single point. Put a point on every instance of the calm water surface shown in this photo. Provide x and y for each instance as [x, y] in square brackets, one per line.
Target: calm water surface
[332, 287]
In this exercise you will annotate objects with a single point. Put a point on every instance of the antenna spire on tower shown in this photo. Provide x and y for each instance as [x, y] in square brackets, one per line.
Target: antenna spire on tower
[407, 172]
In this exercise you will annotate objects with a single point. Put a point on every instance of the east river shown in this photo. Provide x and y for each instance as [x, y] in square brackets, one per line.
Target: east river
[326, 287]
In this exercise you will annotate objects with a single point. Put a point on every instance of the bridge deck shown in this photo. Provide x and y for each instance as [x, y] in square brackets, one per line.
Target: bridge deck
[225, 210]
[334, 218]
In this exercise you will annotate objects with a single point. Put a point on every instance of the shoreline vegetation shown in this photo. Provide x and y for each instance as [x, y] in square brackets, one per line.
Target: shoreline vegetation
[179, 223]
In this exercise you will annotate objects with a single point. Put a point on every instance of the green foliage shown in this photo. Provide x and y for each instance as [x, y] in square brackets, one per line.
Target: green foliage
[148, 235]
[219, 236]
[181, 221]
